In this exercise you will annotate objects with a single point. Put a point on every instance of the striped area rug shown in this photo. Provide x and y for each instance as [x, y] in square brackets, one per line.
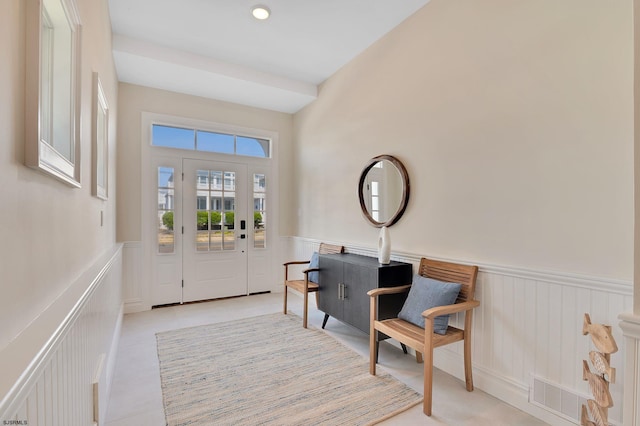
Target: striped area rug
[268, 370]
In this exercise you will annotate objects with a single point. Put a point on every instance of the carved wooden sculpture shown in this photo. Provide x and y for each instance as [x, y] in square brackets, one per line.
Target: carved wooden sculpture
[599, 406]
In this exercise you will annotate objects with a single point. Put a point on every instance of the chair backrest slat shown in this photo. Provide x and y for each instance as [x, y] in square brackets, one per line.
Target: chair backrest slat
[453, 273]
[330, 249]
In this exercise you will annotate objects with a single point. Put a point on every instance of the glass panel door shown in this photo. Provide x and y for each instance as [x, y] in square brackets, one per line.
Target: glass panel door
[214, 246]
[166, 237]
[209, 229]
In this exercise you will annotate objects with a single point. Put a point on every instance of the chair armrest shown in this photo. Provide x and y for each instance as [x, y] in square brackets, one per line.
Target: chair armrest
[293, 262]
[296, 262]
[388, 290]
[306, 271]
[450, 309]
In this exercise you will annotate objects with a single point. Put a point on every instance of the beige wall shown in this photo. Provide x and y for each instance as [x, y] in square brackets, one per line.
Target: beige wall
[514, 120]
[50, 232]
[136, 99]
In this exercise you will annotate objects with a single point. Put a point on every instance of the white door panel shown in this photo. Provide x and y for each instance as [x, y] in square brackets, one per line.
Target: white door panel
[166, 275]
[214, 253]
[260, 243]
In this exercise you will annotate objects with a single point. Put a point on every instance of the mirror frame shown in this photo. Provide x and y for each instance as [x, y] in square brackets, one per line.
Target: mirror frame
[40, 152]
[100, 118]
[405, 190]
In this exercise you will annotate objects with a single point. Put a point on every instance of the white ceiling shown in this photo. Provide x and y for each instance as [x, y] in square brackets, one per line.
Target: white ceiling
[216, 49]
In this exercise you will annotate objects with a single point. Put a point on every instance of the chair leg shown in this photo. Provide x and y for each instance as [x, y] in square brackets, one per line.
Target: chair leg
[468, 375]
[373, 352]
[285, 299]
[427, 352]
[286, 289]
[419, 359]
[306, 307]
[428, 380]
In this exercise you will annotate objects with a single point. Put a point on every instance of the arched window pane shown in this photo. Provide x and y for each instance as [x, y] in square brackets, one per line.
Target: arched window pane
[252, 147]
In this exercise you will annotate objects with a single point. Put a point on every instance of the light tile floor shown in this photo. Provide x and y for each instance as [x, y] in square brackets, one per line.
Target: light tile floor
[136, 397]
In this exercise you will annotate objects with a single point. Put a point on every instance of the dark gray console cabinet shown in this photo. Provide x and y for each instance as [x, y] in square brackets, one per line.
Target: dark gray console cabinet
[344, 281]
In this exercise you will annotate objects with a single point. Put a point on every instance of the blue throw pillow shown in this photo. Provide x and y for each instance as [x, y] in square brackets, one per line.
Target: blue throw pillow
[315, 259]
[426, 293]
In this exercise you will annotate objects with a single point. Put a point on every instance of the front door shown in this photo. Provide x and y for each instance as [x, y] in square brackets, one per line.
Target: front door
[209, 230]
[216, 226]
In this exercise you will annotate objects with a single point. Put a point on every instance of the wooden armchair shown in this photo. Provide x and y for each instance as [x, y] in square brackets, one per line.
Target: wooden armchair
[424, 340]
[304, 286]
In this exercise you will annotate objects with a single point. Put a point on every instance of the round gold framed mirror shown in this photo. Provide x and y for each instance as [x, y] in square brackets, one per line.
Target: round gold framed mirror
[383, 190]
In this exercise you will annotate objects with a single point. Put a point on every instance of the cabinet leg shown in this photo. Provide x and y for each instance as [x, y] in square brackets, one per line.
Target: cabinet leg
[324, 322]
[404, 348]
[377, 350]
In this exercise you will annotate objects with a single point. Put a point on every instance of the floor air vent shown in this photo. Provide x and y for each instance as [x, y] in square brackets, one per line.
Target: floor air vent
[556, 399]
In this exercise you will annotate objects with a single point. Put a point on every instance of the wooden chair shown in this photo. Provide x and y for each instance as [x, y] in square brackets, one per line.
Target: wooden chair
[304, 286]
[425, 340]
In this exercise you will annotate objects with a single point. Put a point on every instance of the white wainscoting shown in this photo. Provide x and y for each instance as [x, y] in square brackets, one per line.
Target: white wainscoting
[57, 388]
[134, 289]
[529, 326]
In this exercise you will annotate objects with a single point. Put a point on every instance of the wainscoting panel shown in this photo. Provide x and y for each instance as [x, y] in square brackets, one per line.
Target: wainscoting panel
[57, 387]
[533, 326]
[133, 289]
[529, 324]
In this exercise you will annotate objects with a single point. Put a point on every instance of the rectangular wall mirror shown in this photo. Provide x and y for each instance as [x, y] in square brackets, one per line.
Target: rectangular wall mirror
[53, 89]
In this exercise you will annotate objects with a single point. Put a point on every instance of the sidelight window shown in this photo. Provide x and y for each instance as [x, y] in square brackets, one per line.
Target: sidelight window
[166, 210]
[259, 210]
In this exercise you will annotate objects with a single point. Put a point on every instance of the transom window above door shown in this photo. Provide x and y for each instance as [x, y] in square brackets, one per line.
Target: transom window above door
[208, 141]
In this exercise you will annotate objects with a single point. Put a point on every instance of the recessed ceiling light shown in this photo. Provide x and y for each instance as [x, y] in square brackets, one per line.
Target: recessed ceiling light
[260, 12]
